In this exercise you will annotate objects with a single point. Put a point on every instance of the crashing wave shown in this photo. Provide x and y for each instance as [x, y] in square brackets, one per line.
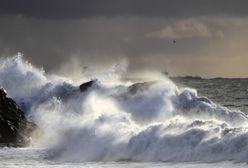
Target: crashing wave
[150, 121]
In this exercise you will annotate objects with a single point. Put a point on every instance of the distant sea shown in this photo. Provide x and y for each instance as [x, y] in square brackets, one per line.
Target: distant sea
[228, 92]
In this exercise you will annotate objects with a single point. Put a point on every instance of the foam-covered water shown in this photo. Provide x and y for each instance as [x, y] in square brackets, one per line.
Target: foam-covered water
[31, 157]
[110, 123]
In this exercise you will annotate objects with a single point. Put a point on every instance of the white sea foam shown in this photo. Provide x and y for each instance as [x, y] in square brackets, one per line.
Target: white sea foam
[112, 123]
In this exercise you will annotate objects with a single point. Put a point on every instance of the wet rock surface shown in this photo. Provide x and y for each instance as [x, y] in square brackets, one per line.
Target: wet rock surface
[15, 129]
[83, 87]
[133, 89]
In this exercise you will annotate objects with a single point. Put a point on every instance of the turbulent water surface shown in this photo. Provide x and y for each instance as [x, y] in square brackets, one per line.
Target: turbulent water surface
[118, 124]
[231, 93]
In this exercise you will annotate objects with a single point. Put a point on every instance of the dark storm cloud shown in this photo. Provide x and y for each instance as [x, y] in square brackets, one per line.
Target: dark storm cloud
[210, 35]
[145, 42]
[75, 9]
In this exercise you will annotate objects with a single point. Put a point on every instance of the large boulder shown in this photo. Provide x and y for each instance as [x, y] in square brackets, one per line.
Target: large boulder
[84, 87]
[139, 87]
[15, 129]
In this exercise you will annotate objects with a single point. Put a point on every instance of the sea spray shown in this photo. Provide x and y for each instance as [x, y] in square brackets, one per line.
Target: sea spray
[158, 122]
[20, 78]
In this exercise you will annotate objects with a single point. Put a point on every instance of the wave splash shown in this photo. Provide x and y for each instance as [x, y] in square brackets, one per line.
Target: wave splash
[150, 121]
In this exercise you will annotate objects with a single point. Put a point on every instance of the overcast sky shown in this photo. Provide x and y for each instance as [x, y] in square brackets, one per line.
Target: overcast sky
[185, 37]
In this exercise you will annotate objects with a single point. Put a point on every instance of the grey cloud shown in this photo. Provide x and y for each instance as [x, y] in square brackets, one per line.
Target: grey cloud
[184, 29]
[102, 41]
[76, 9]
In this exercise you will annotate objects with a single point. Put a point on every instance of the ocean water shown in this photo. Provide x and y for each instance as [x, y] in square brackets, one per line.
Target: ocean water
[228, 92]
[185, 123]
[32, 157]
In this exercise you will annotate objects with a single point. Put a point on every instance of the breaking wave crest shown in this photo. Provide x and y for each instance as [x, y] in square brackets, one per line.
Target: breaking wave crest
[149, 121]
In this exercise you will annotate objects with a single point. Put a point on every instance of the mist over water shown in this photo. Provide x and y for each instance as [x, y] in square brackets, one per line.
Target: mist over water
[111, 122]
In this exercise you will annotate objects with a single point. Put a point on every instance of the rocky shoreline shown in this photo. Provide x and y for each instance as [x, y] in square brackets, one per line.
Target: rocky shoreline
[15, 128]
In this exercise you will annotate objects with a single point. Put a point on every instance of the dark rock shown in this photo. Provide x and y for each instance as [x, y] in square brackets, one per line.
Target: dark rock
[83, 87]
[137, 87]
[15, 129]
